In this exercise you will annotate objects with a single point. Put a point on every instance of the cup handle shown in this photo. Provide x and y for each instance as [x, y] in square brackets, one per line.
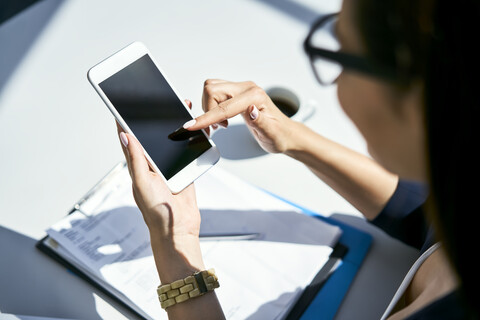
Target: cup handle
[306, 111]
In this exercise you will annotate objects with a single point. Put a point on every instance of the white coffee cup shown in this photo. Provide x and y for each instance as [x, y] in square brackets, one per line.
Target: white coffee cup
[291, 104]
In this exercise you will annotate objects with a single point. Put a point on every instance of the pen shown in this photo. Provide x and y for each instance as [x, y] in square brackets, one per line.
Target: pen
[229, 236]
[100, 184]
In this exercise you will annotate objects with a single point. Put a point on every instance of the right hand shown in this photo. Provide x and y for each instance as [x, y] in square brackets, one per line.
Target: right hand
[223, 100]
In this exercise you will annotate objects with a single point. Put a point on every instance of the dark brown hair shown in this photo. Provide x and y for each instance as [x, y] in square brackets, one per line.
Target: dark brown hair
[435, 42]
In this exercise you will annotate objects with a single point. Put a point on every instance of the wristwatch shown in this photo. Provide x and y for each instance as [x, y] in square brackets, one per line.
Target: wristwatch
[192, 286]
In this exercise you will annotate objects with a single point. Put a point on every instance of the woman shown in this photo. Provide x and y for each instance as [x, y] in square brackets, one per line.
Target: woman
[397, 82]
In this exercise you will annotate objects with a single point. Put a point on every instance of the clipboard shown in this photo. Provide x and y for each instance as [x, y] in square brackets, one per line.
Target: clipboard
[321, 298]
[43, 247]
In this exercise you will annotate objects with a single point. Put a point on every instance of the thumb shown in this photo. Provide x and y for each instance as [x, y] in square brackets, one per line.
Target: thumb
[137, 163]
[253, 116]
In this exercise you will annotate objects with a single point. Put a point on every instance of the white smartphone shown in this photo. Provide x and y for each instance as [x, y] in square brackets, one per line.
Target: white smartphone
[146, 105]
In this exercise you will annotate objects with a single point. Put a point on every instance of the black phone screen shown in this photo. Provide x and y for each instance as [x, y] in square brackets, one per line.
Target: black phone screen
[155, 115]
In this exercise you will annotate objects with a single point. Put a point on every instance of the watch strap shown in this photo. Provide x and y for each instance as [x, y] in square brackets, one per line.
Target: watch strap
[190, 287]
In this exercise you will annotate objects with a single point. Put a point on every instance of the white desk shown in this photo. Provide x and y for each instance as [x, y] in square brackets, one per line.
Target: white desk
[58, 138]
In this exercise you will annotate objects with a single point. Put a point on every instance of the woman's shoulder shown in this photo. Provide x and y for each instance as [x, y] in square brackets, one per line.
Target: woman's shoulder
[449, 307]
[431, 288]
[435, 289]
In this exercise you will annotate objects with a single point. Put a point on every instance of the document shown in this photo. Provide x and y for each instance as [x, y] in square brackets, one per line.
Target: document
[259, 279]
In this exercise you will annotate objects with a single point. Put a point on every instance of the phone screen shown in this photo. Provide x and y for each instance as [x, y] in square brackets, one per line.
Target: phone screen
[154, 113]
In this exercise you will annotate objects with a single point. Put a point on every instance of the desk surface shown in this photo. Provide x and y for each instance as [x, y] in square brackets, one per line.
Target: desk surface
[58, 138]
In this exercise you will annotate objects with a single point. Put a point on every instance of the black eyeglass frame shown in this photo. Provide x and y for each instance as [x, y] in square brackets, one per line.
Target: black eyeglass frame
[346, 60]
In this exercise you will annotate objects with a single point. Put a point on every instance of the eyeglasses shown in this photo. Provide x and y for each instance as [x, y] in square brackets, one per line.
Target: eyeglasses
[328, 62]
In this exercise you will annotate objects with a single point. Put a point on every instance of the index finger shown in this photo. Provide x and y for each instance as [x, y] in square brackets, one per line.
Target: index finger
[223, 111]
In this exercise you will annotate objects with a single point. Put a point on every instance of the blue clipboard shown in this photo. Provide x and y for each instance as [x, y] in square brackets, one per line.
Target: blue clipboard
[330, 293]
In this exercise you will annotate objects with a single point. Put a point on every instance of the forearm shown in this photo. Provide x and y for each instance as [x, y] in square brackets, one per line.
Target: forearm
[177, 261]
[356, 177]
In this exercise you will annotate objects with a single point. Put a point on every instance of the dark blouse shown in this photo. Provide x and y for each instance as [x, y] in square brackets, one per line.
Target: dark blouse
[404, 219]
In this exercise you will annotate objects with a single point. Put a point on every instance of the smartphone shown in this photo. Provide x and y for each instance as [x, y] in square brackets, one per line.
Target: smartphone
[146, 105]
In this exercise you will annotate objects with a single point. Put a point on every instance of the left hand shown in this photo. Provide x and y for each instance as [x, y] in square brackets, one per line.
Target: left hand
[172, 219]
[166, 215]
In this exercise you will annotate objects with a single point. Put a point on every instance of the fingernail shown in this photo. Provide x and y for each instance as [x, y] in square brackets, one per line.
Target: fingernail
[223, 125]
[254, 113]
[188, 124]
[214, 126]
[124, 139]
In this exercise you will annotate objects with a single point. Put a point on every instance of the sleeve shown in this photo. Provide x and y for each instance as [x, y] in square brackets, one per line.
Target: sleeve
[403, 217]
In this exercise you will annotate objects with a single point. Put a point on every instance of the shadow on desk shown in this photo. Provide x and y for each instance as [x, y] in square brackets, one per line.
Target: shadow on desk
[19, 33]
[293, 9]
[236, 142]
[31, 283]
